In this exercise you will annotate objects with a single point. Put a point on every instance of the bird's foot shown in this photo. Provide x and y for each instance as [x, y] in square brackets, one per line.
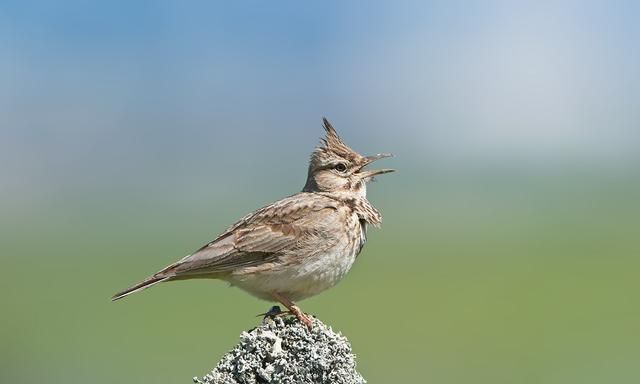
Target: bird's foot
[303, 317]
[293, 309]
[276, 311]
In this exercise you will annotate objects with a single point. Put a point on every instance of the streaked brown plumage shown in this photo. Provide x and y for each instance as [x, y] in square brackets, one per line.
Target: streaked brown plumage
[296, 247]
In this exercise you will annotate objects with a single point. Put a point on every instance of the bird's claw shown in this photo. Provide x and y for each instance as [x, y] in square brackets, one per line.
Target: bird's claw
[306, 320]
[276, 311]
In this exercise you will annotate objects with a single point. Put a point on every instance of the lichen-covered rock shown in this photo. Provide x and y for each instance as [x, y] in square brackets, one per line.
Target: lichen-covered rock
[284, 351]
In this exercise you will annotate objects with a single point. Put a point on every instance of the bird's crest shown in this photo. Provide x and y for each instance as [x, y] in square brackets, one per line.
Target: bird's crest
[331, 146]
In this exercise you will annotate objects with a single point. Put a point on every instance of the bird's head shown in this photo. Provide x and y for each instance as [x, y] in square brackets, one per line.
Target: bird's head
[334, 167]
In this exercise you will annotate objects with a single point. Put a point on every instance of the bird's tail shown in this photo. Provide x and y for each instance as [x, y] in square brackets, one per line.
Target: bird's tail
[151, 281]
[163, 275]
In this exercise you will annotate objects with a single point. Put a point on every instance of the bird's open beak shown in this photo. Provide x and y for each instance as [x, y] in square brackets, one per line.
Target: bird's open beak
[370, 159]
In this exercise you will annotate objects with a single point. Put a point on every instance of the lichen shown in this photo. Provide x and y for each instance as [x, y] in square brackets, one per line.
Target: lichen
[284, 351]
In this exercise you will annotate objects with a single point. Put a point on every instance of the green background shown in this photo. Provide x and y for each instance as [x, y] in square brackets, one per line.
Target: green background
[133, 133]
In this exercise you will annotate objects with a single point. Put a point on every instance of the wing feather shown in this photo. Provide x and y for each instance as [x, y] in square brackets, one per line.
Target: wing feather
[262, 237]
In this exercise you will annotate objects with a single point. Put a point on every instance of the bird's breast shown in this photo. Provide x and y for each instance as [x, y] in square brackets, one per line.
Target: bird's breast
[316, 268]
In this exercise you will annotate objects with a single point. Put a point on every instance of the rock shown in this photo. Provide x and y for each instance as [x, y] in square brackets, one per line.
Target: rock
[283, 351]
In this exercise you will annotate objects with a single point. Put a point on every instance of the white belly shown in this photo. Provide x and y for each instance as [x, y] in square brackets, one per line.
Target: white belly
[302, 280]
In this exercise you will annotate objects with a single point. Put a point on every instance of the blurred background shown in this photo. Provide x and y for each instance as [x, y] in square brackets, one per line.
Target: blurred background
[131, 133]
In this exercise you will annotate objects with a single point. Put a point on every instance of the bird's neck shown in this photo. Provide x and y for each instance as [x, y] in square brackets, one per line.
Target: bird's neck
[358, 203]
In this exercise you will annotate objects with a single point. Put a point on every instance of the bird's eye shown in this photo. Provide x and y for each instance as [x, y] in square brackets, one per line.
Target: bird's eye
[340, 167]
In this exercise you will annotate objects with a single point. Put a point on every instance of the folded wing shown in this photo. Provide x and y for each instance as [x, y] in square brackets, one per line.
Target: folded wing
[273, 234]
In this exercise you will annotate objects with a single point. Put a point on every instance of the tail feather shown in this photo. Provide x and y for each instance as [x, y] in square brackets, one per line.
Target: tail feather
[151, 281]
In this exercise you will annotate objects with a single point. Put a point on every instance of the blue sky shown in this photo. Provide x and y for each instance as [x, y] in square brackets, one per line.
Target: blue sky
[100, 86]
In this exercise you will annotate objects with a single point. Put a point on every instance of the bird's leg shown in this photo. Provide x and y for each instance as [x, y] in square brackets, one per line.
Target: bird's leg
[294, 309]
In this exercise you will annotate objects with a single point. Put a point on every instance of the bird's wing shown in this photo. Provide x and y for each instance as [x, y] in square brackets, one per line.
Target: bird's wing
[265, 236]
[274, 235]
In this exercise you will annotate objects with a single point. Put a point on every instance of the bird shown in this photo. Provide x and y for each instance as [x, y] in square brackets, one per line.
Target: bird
[296, 247]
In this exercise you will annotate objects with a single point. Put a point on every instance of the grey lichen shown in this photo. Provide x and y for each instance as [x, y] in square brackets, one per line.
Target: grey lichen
[282, 350]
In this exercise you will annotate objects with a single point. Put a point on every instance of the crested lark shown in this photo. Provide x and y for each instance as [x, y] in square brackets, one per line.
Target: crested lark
[296, 247]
